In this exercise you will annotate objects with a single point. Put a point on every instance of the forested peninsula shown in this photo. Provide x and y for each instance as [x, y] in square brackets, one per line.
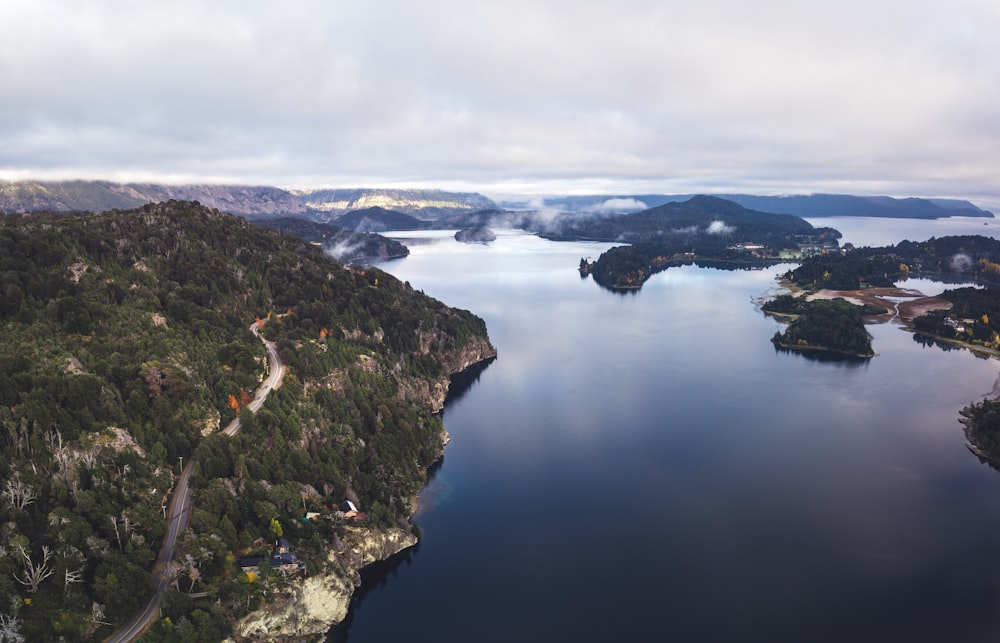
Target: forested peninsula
[703, 230]
[126, 348]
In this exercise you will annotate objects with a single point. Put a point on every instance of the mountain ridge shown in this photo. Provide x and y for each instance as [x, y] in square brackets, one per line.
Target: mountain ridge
[248, 201]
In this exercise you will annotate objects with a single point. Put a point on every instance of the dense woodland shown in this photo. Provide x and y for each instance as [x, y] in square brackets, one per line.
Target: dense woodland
[127, 345]
[967, 257]
[974, 317]
[833, 325]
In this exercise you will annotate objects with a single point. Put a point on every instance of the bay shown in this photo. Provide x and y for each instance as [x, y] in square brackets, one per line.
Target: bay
[646, 467]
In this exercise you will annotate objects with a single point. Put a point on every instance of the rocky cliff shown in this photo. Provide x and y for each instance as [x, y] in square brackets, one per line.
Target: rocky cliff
[311, 606]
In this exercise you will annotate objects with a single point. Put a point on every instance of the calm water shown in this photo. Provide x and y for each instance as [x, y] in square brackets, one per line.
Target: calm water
[647, 467]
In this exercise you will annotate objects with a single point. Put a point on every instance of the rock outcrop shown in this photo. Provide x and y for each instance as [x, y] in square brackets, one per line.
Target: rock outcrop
[313, 605]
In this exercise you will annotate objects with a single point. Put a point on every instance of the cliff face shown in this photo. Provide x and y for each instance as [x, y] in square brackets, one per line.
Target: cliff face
[315, 604]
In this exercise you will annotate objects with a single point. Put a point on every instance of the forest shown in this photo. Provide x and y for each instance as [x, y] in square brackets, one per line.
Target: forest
[127, 346]
[952, 258]
[974, 317]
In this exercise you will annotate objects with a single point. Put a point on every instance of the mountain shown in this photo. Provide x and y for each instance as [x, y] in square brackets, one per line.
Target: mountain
[377, 219]
[246, 201]
[421, 204]
[127, 347]
[701, 229]
[98, 196]
[703, 218]
[841, 205]
[812, 205]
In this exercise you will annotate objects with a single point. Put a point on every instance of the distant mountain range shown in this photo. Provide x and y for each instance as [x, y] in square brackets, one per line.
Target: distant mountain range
[807, 205]
[380, 206]
[248, 201]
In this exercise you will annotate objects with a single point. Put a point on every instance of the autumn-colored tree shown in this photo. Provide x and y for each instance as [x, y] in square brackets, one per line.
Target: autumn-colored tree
[233, 403]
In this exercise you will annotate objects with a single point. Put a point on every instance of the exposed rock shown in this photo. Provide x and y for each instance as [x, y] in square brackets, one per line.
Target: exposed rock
[315, 604]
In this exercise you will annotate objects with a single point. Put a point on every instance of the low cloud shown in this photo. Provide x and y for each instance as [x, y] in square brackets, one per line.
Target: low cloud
[961, 262]
[344, 249]
[613, 206]
[720, 227]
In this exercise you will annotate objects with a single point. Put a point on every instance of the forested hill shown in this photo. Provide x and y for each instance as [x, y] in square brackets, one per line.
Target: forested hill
[126, 346]
[692, 219]
[701, 229]
[346, 246]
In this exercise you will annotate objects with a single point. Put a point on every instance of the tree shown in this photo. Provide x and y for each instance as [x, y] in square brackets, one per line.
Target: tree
[276, 529]
[33, 574]
[10, 629]
[18, 493]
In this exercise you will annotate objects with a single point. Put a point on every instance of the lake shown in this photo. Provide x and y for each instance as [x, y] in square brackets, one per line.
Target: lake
[647, 467]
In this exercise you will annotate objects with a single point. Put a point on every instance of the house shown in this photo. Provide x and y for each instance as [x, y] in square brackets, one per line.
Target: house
[348, 508]
[281, 559]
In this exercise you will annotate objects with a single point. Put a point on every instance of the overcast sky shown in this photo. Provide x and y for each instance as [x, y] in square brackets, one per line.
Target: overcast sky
[897, 97]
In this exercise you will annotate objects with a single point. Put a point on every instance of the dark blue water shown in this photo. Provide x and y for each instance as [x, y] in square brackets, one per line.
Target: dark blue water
[646, 467]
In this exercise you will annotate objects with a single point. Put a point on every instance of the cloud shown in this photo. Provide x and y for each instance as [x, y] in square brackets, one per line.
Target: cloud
[540, 96]
[719, 227]
[618, 206]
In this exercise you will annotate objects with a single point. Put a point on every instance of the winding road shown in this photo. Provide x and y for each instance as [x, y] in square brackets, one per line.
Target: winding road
[180, 504]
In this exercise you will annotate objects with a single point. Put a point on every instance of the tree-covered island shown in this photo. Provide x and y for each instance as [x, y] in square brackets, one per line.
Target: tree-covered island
[831, 325]
[127, 348]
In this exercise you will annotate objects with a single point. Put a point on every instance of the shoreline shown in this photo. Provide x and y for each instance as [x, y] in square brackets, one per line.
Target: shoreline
[313, 606]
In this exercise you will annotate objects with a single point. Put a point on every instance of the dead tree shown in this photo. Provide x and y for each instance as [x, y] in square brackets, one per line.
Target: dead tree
[33, 574]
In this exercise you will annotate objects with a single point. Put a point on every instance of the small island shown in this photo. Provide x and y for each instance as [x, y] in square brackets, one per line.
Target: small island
[479, 234]
[829, 325]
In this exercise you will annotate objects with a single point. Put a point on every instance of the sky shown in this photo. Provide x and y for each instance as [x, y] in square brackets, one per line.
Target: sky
[511, 97]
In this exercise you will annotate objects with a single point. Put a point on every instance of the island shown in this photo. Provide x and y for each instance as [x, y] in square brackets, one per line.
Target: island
[478, 234]
[828, 325]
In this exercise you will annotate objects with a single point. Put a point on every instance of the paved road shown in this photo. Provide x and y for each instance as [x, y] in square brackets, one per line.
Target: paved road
[180, 505]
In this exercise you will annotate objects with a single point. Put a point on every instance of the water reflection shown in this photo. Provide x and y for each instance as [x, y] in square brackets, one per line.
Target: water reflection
[826, 357]
[373, 577]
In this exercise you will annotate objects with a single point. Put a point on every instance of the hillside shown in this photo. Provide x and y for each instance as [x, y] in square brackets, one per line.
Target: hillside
[126, 347]
[346, 246]
[377, 219]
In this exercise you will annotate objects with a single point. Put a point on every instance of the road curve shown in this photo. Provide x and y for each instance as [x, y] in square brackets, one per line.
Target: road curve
[180, 505]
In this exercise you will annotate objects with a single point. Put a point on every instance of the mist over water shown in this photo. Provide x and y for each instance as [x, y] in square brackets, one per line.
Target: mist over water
[646, 467]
